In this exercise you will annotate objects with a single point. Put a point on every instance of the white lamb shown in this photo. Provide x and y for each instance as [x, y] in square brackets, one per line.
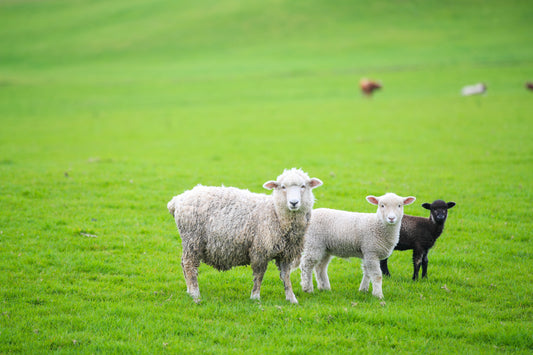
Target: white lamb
[370, 236]
[226, 227]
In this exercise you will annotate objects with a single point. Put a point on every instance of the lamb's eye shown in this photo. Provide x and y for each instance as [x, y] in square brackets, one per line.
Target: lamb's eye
[303, 187]
[283, 187]
[382, 206]
[399, 206]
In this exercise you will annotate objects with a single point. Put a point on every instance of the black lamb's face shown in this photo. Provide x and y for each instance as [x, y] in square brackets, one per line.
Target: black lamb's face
[440, 214]
[439, 210]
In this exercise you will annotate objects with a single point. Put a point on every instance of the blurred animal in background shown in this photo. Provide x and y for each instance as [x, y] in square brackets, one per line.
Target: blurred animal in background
[476, 89]
[369, 86]
[529, 85]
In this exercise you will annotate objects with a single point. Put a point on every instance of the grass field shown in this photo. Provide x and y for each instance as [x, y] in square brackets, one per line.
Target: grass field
[110, 108]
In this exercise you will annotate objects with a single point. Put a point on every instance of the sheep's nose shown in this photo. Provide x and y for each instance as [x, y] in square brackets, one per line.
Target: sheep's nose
[294, 203]
[392, 219]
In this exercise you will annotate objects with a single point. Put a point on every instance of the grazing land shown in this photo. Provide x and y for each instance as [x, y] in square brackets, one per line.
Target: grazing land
[110, 108]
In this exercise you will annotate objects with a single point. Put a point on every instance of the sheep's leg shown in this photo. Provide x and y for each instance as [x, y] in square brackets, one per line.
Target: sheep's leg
[417, 261]
[321, 270]
[285, 276]
[258, 272]
[384, 267]
[372, 273]
[190, 264]
[425, 264]
[306, 266]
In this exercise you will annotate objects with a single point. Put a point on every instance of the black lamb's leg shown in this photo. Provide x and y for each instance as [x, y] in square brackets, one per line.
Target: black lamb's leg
[425, 264]
[384, 267]
[417, 261]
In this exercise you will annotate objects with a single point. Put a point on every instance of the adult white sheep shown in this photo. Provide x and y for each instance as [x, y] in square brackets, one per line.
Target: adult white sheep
[370, 236]
[226, 227]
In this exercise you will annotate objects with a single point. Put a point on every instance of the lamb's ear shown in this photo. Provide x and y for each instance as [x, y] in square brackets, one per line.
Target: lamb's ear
[427, 206]
[451, 204]
[269, 185]
[409, 200]
[372, 199]
[315, 183]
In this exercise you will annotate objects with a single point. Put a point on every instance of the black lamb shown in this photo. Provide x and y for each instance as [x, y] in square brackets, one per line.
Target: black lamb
[420, 234]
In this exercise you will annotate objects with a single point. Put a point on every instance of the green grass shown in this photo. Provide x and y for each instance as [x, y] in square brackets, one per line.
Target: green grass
[108, 109]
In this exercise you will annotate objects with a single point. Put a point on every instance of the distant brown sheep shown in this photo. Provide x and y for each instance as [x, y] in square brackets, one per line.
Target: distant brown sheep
[368, 86]
[529, 85]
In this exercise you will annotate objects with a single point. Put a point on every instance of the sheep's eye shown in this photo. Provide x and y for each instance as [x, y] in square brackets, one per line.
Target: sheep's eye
[382, 206]
[399, 206]
[283, 187]
[303, 187]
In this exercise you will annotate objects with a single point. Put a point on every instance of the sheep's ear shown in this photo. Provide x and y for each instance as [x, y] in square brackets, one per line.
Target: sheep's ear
[451, 204]
[409, 200]
[427, 206]
[372, 199]
[269, 185]
[315, 183]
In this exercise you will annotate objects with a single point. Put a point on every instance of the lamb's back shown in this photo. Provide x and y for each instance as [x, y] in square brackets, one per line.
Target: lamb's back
[416, 231]
[341, 233]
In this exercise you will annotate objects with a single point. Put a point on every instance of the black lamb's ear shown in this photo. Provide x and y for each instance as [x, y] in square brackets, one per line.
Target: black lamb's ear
[451, 204]
[427, 206]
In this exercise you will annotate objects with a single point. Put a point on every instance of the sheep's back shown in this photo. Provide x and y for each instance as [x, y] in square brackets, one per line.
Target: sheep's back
[221, 223]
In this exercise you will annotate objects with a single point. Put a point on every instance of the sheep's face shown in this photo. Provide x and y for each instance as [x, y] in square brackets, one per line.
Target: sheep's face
[390, 207]
[293, 189]
[439, 210]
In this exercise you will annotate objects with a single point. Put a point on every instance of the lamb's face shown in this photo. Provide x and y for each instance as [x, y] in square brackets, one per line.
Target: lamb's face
[390, 207]
[439, 210]
[293, 189]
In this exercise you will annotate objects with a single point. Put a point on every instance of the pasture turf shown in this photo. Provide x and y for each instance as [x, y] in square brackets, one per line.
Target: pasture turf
[108, 109]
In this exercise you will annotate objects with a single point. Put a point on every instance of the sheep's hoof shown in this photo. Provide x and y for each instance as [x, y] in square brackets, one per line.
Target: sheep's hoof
[255, 297]
[293, 300]
[194, 294]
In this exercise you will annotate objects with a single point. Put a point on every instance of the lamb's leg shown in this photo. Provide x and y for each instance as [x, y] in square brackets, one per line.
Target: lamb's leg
[190, 264]
[417, 261]
[365, 282]
[306, 266]
[384, 267]
[285, 276]
[372, 272]
[258, 271]
[321, 270]
[425, 264]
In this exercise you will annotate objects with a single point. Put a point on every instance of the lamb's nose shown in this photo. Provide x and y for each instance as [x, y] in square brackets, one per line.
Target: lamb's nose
[391, 219]
[293, 203]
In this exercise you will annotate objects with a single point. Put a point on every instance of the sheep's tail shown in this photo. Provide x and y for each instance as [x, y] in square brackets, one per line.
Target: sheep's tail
[172, 205]
[296, 263]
